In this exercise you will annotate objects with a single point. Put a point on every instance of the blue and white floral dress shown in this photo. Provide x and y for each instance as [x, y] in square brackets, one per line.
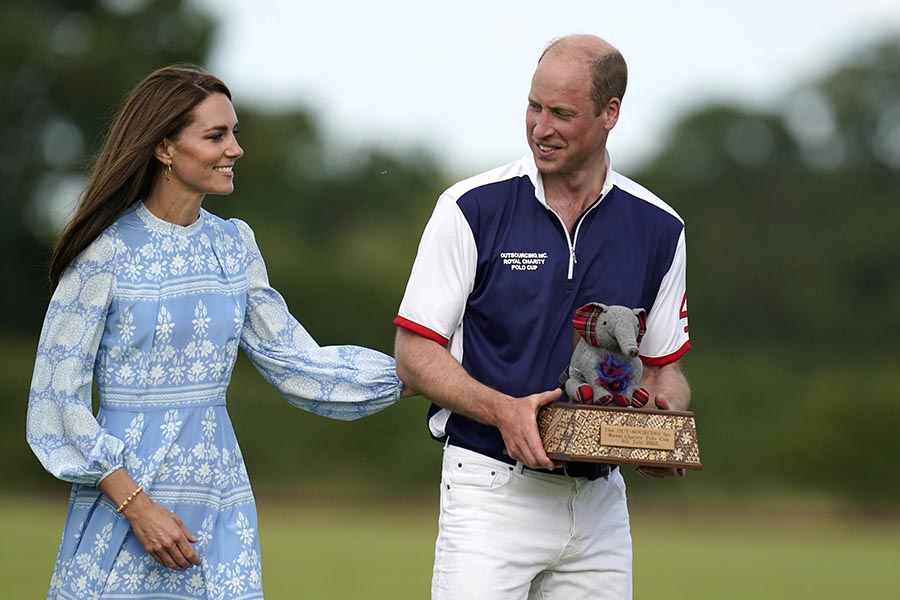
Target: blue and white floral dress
[153, 313]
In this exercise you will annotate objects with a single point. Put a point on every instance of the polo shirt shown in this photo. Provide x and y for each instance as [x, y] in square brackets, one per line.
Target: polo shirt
[497, 279]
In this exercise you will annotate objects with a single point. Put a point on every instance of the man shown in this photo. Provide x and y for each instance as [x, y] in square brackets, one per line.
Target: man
[485, 330]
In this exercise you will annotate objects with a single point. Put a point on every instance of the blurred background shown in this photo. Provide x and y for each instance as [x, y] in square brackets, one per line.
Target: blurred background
[773, 130]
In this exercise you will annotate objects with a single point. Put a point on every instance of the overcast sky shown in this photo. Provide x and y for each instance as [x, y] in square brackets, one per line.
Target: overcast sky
[453, 76]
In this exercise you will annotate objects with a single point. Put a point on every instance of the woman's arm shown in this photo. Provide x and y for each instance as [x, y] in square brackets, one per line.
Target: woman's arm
[161, 532]
[340, 382]
[60, 427]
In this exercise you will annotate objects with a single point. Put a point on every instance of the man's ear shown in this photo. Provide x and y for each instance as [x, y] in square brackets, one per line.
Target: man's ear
[611, 113]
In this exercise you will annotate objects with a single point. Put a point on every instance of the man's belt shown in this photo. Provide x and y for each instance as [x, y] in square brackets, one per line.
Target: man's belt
[588, 470]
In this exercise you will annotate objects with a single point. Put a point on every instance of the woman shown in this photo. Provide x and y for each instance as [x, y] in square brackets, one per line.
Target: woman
[153, 296]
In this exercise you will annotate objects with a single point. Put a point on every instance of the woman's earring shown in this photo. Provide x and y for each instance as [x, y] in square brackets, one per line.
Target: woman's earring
[168, 172]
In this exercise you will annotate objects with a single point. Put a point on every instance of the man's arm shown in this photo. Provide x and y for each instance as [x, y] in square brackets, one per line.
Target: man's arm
[669, 382]
[670, 391]
[428, 367]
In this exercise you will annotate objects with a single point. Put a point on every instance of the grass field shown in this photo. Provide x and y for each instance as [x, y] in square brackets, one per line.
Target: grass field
[321, 552]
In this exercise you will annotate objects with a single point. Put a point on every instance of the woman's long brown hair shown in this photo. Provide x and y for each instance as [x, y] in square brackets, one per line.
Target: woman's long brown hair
[125, 170]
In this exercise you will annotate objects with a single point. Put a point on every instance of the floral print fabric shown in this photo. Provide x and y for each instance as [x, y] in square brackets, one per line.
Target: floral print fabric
[153, 314]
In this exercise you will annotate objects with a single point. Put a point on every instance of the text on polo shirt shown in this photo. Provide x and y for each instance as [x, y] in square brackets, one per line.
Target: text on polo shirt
[523, 261]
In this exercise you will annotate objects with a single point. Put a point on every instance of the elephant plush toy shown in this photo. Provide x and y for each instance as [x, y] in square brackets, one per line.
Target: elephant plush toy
[605, 367]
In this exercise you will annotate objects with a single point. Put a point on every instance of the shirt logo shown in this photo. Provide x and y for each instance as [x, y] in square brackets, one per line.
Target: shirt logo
[523, 261]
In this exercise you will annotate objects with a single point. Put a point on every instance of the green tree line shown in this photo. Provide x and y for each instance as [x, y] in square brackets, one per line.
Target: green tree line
[793, 262]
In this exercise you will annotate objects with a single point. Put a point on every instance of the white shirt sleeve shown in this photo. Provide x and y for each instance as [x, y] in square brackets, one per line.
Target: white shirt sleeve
[667, 323]
[442, 276]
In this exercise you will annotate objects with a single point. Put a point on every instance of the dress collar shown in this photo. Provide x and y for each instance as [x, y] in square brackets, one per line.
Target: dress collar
[154, 223]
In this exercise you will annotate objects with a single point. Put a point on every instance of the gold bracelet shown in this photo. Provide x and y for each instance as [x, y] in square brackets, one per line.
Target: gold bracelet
[139, 489]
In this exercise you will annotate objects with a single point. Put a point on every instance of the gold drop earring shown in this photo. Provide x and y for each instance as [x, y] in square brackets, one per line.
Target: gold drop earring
[168, 171]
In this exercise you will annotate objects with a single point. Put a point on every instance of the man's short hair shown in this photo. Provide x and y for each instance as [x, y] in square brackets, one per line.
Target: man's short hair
[609, 78]
[609, 73]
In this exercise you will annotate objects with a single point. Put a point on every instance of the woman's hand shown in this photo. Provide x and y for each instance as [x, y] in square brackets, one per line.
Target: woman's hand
[160, 531]
[162, 534]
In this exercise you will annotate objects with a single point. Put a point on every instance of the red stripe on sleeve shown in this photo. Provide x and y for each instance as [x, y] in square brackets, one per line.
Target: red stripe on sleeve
[659, 361]
[421, 330]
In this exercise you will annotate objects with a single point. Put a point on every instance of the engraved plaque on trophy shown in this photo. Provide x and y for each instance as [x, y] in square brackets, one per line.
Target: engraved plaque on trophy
[629, 436]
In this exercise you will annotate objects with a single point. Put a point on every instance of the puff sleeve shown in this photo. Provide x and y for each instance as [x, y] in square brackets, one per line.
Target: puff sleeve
[340, 382]
[60, 426]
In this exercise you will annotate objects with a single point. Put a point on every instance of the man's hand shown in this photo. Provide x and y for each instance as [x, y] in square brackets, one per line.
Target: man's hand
[517, 421]
[660, 472]
[427, 367]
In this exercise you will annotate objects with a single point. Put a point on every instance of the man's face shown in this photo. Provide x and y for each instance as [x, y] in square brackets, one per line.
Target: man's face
[563, 132]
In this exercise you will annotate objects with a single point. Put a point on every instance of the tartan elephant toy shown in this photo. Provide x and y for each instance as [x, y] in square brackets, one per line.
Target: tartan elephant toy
[605, 367]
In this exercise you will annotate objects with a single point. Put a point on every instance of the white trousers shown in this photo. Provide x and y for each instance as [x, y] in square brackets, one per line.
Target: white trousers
[511, 533]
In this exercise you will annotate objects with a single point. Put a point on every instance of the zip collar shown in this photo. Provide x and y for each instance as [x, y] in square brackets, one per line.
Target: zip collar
[537, 179]
[571, 239]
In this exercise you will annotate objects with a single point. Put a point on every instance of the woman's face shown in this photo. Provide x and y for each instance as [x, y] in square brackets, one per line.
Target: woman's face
[203, 154]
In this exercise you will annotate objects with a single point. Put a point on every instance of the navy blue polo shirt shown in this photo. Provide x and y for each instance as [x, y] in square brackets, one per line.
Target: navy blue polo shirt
[497, 279]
